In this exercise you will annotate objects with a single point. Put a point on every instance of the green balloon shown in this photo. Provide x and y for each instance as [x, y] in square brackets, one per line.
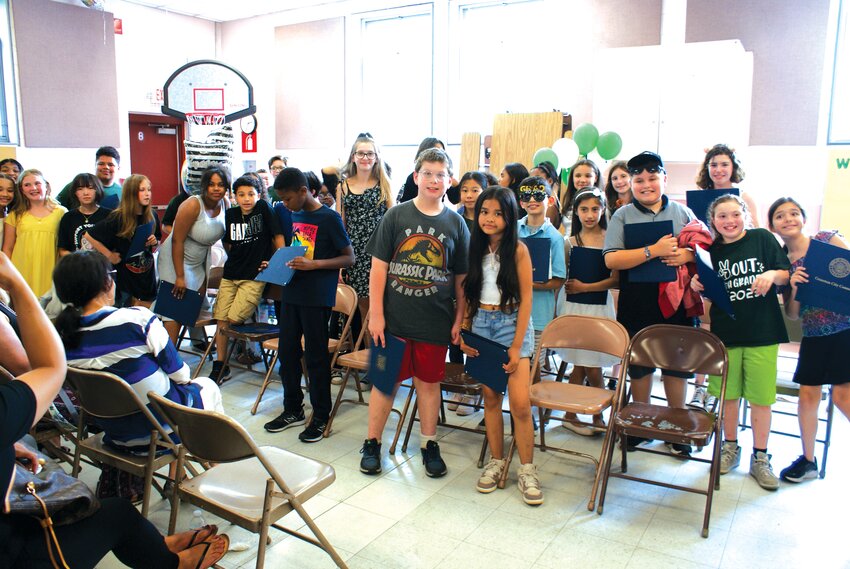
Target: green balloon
[586, 136]
[545, 154]
[565, 176]
[609, 145]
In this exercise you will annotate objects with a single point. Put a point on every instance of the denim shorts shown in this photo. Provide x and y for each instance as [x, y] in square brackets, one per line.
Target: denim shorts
[501, 328]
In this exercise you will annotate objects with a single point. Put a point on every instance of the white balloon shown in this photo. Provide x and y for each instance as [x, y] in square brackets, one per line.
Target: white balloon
[567, 151]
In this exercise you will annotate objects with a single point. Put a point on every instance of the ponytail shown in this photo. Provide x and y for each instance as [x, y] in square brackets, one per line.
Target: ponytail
[68, 326]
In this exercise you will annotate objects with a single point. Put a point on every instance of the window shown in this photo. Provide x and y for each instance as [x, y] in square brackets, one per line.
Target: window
[8, 108]
[839, 109]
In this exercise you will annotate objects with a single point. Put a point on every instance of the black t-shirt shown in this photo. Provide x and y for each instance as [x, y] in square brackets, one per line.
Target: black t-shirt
[17, 411]
[74, 225]
[325, 237]
[250, 237]
[136, 275]
[171, 211]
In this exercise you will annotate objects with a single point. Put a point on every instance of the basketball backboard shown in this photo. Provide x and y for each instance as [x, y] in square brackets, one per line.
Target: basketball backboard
[208, 92]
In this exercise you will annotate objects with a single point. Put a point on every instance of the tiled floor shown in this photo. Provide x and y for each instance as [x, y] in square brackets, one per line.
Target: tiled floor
[403, 519]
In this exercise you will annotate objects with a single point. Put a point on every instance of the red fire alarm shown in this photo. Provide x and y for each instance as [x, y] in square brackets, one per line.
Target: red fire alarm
[118, 25]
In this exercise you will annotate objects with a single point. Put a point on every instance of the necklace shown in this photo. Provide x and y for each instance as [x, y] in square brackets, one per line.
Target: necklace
[86, 215]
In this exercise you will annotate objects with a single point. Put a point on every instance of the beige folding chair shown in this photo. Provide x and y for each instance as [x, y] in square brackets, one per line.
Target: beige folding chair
[250, 486]
[345, 306]
[583, 333]
[677, 348]
[107, 396]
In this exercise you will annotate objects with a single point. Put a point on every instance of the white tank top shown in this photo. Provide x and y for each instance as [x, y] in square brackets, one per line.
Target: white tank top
[489, 272]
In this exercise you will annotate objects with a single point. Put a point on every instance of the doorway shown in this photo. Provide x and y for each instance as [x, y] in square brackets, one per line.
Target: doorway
[156, 150]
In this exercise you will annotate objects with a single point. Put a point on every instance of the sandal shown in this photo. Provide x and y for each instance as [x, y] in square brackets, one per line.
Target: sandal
[205, 562]
[211, 529]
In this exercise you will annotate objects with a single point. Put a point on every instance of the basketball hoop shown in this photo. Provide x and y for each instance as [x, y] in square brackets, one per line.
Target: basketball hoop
[205, 119]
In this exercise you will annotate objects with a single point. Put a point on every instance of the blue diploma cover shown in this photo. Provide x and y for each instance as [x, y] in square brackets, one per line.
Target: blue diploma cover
[277, 272]
[715, 288]
[184, 310]
[539, 251]
[385, 363]
[828, 267]
[588, 266]
[699, 200]
[486, 367]
[640, 235]
[140, 237]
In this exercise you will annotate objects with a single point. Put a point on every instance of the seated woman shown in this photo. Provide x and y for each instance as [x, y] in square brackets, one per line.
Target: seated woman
[117, 526]
[130, 342]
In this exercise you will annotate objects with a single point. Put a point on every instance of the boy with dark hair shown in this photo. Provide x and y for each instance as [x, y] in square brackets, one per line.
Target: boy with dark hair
[419, 262]
[307, 303]
[251, 236]
[107, 160]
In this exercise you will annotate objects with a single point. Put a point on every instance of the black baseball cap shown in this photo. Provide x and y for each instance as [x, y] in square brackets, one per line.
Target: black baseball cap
[646, 160]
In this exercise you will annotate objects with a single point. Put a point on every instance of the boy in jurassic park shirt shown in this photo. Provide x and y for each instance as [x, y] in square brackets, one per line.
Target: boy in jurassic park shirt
[418, 266]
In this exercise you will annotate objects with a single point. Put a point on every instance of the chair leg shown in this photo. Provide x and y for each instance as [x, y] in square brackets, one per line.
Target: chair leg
[180, 336]
[830, 410]
[206, 355]
[508, 457]
[401, 419]
[410, 425]
[175, 500]
[600, 466]
[338, 401]
[266, 381]
[483, 453]
[542, 427]
[605, 467]
[264, 525]
[320, 537]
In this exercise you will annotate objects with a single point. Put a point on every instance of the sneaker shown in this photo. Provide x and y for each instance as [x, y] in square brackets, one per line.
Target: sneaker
[284, 421]
[220, 372]
[730, 456]
[612, 384]
[467, 408]
[633, 442]
[761, 470]
[710, 402]
[529, 485]
[371, 461]
[489, 479]
[249, 357]
[336, 377]
[201, 346]
[435, 467]
[314, 432]
[582, 430]
[453, 401]
[698, 400]
[679, 449]
[801, 469]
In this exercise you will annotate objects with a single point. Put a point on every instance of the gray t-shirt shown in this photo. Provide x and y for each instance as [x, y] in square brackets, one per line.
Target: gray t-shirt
[424, 253]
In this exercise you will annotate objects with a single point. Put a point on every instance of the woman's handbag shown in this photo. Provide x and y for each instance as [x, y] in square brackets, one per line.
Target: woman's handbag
[52, 497]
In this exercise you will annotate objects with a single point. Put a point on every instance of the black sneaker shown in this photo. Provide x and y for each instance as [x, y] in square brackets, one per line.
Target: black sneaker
[371, 461]
[679, 449]
[434, 465]
[801, 469]
[633, 442]
[220, 372]
[314, 432]
[284, 421]
[201, 346]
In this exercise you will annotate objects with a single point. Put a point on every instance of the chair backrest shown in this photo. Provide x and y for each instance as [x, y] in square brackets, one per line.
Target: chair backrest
[586, 333]
[107, 396]
[207, 435]
[345, 304]
[679, 348]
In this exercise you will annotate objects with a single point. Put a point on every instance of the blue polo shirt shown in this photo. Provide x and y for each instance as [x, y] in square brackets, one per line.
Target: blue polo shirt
[543, 301]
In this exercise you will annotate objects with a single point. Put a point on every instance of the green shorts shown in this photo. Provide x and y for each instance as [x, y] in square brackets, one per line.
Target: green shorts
[752, 375]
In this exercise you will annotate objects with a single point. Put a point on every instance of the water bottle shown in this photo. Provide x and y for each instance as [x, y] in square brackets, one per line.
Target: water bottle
[263, 312]
[198, 519]
[272, 314]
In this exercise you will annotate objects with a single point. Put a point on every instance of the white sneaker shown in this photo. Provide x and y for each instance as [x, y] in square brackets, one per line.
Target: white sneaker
[730, 456]
[529, 485]
[578, 429]
[466, 408]
[453, 401]
[698, 400]
[762, 471]
[489, 479]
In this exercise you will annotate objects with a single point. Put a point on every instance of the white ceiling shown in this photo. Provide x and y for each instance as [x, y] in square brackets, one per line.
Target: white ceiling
[226, 10]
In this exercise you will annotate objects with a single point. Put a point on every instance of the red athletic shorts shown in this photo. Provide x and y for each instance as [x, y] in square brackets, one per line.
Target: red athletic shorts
[423, 360]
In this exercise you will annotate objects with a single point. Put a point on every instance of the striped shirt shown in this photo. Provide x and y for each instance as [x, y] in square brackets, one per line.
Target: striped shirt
[132, 343]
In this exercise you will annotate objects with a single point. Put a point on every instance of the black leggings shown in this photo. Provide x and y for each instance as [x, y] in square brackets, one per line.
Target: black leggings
[117, 526]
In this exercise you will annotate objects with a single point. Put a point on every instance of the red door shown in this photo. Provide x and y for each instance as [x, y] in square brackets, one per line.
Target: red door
[156, 150]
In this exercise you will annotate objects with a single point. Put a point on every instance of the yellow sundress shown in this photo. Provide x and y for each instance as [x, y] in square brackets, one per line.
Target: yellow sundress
[35, 249]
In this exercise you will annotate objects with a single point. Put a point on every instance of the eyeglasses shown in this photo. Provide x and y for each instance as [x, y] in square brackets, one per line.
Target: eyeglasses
[276, 168]
[648, 170]
[367, 155]
[528, 195]
[439, 176]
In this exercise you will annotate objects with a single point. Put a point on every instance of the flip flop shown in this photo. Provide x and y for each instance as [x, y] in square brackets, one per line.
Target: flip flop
[212, 530]
[204, 562]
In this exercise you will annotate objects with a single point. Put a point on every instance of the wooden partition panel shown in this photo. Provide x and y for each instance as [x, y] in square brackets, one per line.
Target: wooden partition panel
[516, 137]
[470, 153]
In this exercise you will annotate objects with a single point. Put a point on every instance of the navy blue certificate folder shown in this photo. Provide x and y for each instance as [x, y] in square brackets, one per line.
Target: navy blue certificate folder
[385, 363]
[715, 288]
[588, 266]
[140, 237]
[539, 251]
[486, 367]
[699, 200]
[184, 310]
[828, 267]
[640, 235]
[277, 272]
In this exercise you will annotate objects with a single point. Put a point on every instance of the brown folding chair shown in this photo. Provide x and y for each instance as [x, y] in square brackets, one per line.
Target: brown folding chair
[345, 306]
[583, 333]
[677, 348]
[107, 396]
[251, 332]
[250, 486]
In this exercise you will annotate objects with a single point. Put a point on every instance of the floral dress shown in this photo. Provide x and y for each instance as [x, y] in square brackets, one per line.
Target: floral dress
[363, 213]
